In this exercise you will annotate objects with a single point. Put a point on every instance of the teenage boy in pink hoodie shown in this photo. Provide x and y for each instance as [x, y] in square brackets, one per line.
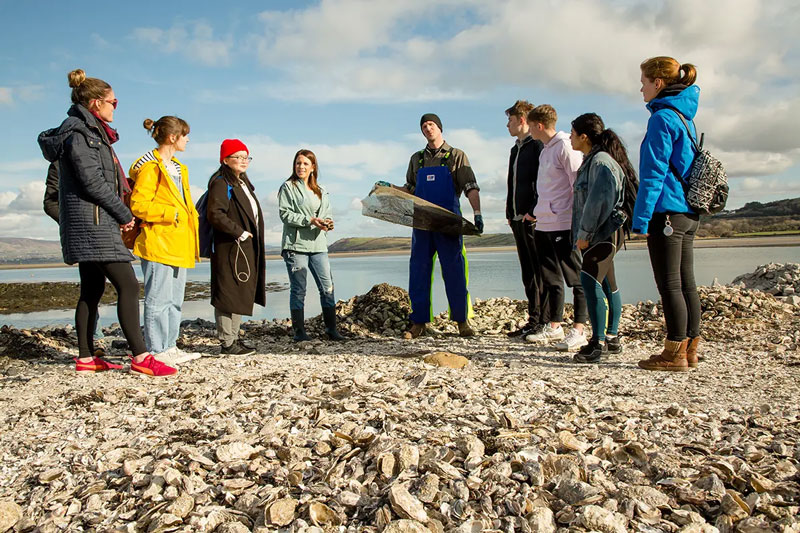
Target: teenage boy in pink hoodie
[558, 168]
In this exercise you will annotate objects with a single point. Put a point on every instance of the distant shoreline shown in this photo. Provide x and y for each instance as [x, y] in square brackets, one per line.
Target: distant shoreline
[716, 242]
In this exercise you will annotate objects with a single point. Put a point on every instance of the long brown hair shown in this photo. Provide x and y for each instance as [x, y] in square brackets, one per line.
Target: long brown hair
[312, 179]
[669, 70]
[84, 89]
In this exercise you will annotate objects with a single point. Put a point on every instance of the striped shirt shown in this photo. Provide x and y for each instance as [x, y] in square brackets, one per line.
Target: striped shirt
[172, 166]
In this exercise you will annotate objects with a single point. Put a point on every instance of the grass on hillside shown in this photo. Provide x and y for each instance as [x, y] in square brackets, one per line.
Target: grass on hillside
[768, 233]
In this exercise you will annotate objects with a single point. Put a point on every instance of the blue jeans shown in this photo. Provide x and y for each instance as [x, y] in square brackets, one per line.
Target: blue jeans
[163, 297]
[298, 264]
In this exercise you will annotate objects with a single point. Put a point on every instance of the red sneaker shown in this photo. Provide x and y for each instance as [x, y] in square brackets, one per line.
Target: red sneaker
[152, 367]
[97, 364]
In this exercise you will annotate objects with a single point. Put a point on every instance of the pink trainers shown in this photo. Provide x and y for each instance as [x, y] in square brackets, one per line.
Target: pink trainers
[97, 364]
[152, 367]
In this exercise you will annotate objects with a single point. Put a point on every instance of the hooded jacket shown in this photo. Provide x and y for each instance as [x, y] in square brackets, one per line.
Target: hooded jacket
[558, 168]
[89, 189]
[169, 218]
[665, 142]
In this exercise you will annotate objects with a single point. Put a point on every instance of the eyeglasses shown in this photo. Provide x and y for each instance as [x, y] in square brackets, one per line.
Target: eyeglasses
[241, 157]
[112, 102]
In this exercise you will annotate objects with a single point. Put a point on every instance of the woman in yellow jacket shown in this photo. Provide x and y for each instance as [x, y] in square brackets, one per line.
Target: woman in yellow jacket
[168, 241]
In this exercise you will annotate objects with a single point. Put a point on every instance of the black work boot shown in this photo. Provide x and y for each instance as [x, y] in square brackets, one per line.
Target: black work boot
[329, 316]
[298, 325]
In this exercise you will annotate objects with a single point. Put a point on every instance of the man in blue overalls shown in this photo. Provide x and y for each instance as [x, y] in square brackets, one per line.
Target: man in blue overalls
[439, 174]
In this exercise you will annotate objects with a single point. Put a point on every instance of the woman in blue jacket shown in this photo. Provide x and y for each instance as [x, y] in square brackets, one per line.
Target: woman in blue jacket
[598, 214]
[661, 210]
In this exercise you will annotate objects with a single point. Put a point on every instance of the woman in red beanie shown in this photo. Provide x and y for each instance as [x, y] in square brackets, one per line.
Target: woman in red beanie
[238, 264]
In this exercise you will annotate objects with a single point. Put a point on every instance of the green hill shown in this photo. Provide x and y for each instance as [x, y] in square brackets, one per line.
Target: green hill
[382, 244]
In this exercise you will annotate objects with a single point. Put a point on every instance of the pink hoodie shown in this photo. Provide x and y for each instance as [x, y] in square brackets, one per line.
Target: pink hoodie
[558, 168]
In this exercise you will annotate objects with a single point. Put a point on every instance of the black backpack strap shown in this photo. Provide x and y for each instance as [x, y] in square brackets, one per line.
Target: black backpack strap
[697, 147]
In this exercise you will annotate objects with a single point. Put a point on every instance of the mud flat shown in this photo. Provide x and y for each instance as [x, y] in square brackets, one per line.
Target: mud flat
[43, 296]
[490, 434]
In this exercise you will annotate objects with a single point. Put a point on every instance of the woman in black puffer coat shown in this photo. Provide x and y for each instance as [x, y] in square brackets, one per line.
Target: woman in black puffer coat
[91, 215]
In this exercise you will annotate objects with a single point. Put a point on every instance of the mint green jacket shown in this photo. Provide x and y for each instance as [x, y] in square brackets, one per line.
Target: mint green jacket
[295, 211]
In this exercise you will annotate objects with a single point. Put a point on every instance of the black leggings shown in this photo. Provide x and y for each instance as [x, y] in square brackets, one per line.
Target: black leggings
[93, 284]
[672, 259]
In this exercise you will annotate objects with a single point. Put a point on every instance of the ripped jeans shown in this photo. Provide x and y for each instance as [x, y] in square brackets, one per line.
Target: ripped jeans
[298, 264]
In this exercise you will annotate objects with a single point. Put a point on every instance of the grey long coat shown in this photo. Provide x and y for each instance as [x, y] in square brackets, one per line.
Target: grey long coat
[90, 183]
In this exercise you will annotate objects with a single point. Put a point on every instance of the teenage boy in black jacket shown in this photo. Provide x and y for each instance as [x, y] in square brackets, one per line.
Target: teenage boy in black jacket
[523, 167]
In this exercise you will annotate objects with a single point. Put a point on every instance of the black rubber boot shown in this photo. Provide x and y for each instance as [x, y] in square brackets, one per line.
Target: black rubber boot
[329, 316]
[299, 327]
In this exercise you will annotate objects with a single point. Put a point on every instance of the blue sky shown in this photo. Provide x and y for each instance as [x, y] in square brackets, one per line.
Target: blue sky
[349, 80]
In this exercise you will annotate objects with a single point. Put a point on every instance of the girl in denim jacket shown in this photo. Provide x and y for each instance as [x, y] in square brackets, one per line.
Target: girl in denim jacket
[597, 228]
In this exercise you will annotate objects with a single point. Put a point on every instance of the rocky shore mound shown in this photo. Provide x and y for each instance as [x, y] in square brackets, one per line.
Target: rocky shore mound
[366, 436]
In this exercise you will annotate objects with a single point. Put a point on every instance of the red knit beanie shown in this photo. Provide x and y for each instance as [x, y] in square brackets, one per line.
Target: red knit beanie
[231, 146]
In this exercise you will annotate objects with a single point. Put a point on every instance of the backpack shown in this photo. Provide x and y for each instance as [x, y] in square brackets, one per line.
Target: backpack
[707, 185]
[205, 231]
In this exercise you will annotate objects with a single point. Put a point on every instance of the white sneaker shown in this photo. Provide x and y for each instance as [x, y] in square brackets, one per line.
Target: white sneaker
[167, 357]
[180, 356]
[175, 356]
[547, 335]
[575, 340]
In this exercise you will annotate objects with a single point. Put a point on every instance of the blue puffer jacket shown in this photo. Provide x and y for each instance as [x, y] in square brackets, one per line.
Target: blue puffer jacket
[666, 141]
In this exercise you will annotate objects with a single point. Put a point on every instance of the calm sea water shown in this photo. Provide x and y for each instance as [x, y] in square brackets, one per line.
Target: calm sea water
[491, 274]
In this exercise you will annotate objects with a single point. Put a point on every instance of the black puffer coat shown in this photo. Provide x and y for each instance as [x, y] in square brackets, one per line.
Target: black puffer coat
[90, 182]
[230, 216]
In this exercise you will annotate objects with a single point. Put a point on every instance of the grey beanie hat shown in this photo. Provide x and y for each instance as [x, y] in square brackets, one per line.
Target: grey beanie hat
[432, 117]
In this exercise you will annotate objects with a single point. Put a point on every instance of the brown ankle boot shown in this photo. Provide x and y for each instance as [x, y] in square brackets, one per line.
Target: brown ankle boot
[691, 352]
[415, 331]
[671, 359]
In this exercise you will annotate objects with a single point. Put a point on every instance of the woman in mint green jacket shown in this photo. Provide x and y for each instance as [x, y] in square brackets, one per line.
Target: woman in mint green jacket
[305, 211]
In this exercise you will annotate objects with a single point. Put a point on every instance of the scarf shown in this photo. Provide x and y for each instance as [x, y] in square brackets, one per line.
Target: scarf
[112, 135]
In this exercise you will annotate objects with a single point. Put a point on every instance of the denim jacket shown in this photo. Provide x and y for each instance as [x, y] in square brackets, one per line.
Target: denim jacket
[294, 208]
[598, 191]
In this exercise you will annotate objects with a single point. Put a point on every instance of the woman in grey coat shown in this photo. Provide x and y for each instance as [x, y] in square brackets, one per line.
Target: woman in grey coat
[91, 216]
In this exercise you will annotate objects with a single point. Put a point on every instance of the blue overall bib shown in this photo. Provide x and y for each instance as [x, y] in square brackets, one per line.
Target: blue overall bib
[435, 184]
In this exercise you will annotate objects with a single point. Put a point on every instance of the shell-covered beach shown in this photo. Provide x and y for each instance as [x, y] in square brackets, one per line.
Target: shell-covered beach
[381, 434]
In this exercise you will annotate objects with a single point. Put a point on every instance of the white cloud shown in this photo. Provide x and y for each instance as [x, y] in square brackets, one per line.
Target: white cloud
[751, 184]
[20, 93]
[194, 40]
[29, 199]
[6, 198]
[29, 166]
[754, 163]
[27, 225]
[748, 105]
